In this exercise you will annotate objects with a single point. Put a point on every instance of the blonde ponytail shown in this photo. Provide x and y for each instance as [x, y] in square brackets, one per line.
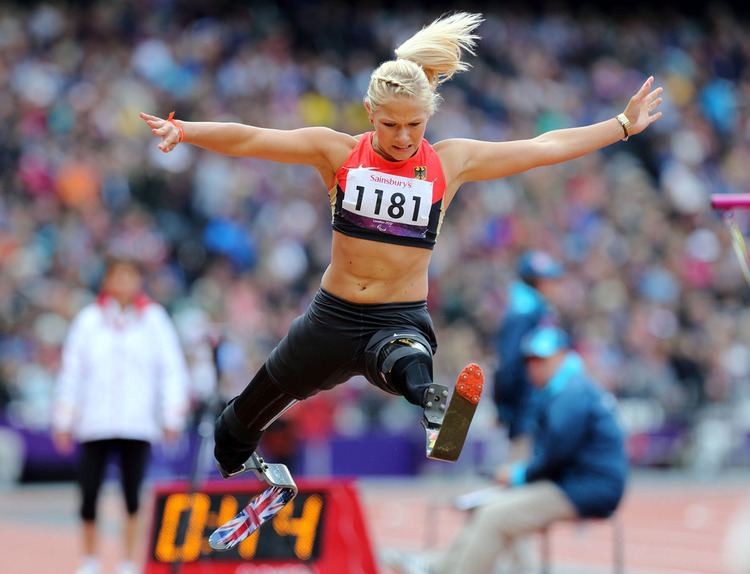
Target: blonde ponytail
[427, 59]
[437, 47]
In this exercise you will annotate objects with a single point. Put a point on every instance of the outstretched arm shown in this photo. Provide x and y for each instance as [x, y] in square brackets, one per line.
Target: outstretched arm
[310, 146]
[477, 160]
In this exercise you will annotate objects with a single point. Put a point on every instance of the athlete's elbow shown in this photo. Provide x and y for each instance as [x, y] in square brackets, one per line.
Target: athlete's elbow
[241, 141]
[547, 151]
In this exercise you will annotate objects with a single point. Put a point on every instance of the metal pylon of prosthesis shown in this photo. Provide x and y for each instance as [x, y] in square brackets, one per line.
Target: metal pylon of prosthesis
[271, 473]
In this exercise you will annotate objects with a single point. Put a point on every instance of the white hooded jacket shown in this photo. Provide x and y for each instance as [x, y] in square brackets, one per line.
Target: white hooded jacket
[123, 374]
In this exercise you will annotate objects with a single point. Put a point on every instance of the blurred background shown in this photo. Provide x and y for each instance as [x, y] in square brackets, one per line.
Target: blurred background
[235, 247]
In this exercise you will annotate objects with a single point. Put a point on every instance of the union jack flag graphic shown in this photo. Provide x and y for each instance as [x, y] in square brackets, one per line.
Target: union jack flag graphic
[258, 511]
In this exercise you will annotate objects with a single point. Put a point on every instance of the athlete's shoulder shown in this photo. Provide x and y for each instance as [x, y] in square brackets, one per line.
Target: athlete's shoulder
[340, 147]
[448, 146]
[362, 141]
[451, 155]
[335, 136]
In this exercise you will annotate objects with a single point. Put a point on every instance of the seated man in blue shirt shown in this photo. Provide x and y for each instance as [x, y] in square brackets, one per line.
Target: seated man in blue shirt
[578, 468]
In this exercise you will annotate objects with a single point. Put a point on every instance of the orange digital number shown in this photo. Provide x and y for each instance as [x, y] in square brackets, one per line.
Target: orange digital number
[303, 528]
[166, 544]
[227, 511]
[249, 545]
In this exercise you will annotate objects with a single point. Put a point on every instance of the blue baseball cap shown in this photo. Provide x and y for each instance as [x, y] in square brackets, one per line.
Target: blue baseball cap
[539, 265]
[544, 342]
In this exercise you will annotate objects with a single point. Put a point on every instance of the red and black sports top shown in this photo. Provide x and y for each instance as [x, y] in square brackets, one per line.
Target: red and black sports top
[397, 202]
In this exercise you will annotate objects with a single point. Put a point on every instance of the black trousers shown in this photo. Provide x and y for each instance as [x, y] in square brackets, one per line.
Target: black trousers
[133, 457]
[335, 340]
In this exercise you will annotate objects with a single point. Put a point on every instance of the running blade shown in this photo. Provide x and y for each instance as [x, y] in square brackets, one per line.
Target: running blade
[258, 511]
[445, 441]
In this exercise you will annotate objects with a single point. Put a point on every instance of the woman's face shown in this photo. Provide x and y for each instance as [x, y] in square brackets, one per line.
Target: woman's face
[400, 123]
[123, 282]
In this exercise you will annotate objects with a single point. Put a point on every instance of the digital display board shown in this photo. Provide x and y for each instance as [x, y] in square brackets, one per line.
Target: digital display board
[321, 526]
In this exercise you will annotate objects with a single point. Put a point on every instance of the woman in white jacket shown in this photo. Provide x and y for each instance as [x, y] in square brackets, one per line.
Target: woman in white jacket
[123, 385]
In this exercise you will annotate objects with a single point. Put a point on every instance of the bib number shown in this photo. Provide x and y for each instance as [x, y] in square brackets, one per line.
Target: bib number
[391, 198]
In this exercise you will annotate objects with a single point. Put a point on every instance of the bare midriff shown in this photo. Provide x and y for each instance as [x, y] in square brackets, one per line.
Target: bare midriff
[363, 271]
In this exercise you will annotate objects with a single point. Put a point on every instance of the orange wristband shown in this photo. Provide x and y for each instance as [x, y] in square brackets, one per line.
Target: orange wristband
[178, 125]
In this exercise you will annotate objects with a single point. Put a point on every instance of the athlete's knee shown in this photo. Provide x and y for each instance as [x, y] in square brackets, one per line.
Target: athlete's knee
[398, 353]
[406, 364]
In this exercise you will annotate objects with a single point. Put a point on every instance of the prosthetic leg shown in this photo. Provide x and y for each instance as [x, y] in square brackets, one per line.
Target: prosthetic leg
[260, 509]
[405, 366]
[446, 427]
[238, 431]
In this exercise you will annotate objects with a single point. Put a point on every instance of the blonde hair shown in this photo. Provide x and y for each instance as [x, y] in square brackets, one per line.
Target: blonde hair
[426, 60]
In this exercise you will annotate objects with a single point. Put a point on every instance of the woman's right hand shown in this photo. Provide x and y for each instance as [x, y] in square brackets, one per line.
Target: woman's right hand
[164, 129]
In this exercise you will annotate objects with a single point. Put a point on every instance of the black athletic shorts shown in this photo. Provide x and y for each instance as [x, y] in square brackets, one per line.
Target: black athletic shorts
[335, 340]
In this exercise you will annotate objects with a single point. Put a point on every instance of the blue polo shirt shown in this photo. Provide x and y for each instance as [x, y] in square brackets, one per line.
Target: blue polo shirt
[578, 442]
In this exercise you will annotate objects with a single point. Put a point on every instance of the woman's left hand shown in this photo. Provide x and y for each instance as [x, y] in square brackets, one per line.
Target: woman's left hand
[641, 110]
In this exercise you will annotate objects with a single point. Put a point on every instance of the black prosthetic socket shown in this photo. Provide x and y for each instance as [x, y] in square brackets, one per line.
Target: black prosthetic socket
[233, 442]
[413, 375]
[240, 426]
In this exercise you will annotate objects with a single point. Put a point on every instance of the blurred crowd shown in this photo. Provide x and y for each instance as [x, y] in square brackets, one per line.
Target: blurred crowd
[655, 300]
